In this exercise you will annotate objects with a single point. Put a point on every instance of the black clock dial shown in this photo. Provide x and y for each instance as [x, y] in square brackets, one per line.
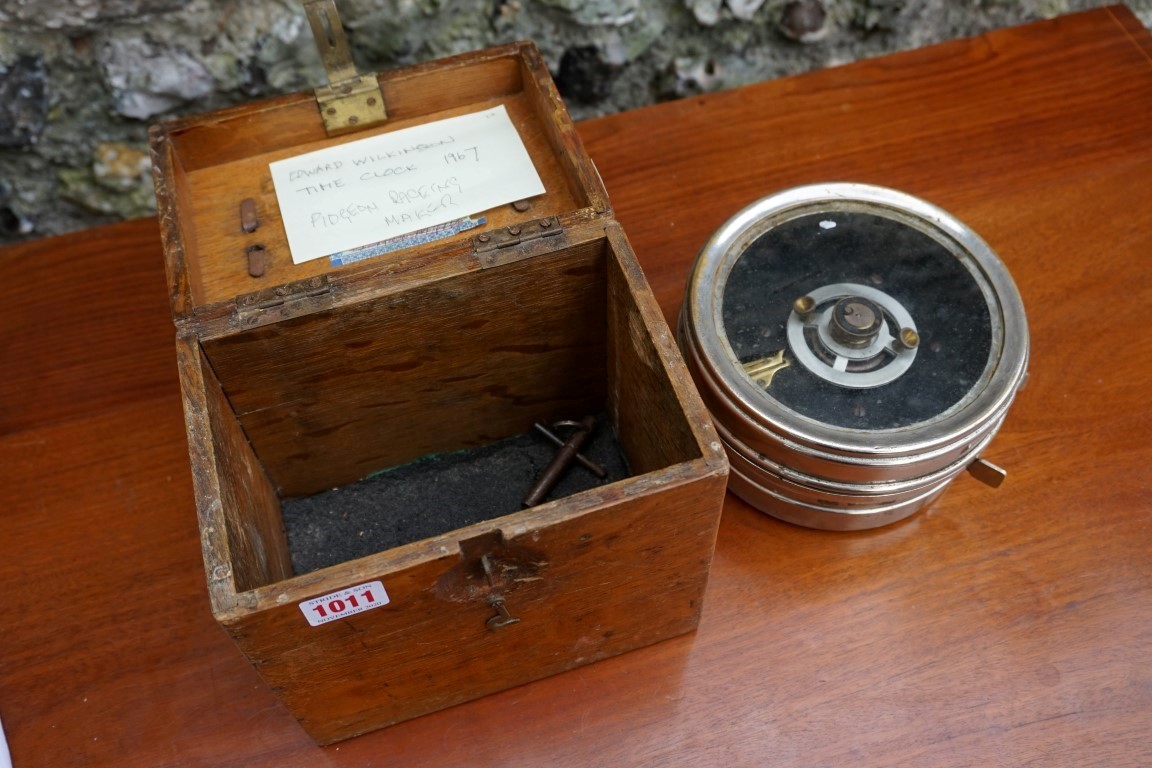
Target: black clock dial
[923, 275]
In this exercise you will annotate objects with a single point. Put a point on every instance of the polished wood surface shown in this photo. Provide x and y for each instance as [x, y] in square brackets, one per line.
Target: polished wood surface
[1009, 627]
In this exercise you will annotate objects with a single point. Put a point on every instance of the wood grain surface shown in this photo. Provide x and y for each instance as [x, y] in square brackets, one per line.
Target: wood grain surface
[999, 628]
[206, 164]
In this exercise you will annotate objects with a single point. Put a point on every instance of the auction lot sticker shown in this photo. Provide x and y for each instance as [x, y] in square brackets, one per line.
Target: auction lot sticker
[345, 603]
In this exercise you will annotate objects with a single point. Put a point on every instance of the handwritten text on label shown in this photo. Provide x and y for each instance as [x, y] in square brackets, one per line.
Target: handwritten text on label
[384, 186]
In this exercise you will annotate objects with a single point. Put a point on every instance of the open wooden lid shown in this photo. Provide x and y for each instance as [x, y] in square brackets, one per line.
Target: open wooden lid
[207, 167]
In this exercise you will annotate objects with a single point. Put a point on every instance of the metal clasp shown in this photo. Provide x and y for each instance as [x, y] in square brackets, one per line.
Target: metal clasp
[350, 100]
[503, 617]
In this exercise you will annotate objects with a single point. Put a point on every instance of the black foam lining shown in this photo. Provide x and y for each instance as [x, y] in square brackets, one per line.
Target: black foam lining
[434, 495]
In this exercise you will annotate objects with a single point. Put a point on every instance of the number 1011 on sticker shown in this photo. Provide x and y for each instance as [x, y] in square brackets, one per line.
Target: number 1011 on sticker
[342, 604]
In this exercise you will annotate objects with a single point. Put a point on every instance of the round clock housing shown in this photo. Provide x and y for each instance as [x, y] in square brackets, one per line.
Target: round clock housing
[858, 348]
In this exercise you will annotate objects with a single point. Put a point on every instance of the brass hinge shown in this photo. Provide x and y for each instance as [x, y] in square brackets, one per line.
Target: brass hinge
[286, 301]
[498, 246]
[350, 100]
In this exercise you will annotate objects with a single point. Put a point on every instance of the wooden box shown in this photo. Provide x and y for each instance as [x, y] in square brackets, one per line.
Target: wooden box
[313, 376]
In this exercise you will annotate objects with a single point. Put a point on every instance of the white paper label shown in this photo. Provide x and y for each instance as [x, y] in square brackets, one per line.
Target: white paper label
[342, 604]
[385, 186]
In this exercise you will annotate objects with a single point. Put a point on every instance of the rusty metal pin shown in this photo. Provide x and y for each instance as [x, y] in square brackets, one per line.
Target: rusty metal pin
[559, 464]
[256, 262]
[581, 459]
[248, 221]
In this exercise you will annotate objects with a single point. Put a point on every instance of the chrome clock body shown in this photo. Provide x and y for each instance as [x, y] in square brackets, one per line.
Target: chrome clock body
[858, 348]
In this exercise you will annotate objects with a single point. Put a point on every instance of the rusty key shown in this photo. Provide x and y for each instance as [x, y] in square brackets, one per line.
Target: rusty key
[581, 459]
[560, 462]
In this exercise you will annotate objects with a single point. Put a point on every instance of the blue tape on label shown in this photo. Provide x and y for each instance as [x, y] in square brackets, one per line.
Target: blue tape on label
[419, 237]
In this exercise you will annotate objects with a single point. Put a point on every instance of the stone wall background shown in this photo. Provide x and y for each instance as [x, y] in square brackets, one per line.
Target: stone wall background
[81, 80]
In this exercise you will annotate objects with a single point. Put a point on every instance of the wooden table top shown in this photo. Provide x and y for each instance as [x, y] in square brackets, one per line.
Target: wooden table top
[1009, 627]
